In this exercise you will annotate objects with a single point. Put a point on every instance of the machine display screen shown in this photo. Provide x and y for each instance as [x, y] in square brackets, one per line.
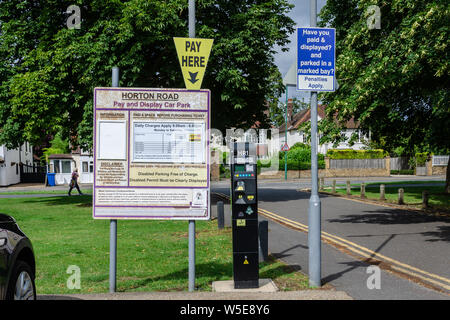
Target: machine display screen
[239, 168]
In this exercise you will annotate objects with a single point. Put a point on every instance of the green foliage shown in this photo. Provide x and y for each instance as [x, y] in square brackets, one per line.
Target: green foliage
[422, 158]
[393, 80]
[403, 172]
[299, 158]
[297, 165]
[57, 146]
[277, 110]
[355, 154]
[48, 72]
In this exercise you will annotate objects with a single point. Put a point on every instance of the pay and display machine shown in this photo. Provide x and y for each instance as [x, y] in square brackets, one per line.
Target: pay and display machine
[244, 208]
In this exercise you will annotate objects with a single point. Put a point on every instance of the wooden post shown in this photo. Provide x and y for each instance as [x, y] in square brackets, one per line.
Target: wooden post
[348, 188]
[401, 199]
[425, 199]
[322, 183]
[363, 190]
[382, 192]
[334, 187]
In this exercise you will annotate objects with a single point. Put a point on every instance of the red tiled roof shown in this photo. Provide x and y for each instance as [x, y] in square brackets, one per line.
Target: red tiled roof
[305, 115]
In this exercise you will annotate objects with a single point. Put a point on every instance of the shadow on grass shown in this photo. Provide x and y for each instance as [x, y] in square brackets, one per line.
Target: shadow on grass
[205, 274]
[78, 200]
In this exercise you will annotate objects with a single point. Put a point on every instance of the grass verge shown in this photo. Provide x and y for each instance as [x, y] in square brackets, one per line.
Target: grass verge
[152, 255]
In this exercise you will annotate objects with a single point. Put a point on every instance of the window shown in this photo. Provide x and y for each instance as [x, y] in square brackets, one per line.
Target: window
[65, 166]
[57, 166]
[88, 166]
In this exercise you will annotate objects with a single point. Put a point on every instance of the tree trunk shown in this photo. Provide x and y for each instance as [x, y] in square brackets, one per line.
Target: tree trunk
[447, 178]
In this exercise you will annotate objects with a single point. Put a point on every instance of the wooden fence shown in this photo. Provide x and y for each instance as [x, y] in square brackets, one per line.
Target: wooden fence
[357, 163]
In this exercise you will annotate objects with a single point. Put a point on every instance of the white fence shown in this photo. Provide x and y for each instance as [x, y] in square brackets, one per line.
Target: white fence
[439, 160]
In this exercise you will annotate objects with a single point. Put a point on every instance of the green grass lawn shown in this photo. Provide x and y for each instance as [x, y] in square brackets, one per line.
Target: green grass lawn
[412, 194]
[152, 255]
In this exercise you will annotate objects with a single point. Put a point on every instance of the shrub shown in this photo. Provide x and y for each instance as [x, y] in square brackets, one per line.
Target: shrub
[421, 158]
[411, 172]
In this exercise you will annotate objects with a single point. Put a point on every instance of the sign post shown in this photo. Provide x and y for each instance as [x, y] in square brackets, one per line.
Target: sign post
[113, 222]
[315, 72]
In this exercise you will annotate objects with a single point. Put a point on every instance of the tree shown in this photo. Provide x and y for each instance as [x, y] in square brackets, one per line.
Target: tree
[48, 72]
[57, 146]
[277, 110]
[393, 80]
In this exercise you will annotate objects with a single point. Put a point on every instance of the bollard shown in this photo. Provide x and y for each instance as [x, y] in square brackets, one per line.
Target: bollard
[348, 188]
[263, 232]
[363, 191]
[425, 199]
[334, 187]
[401, 199]
[220, 215]
[382, 192]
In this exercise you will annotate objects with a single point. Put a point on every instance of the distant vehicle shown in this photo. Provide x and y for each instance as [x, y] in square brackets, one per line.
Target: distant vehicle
[17, 263]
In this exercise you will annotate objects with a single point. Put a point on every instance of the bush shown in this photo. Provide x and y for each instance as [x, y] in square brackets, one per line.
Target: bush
[421, 158]
[411, 172]
[356, 154]
[294, 165]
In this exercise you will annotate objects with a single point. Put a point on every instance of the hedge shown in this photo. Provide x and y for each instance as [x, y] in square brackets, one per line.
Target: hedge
[295, 165]
[356, 154]
[421, 158]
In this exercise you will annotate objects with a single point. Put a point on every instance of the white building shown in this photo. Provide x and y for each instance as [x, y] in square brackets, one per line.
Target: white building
[64, 164]
[10, 160]
[294, 135]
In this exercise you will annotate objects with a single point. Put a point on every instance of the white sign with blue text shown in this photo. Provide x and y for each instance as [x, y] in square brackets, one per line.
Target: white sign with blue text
[316, 59]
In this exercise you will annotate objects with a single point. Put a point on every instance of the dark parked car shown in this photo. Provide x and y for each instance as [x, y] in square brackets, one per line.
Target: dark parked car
[17, 264]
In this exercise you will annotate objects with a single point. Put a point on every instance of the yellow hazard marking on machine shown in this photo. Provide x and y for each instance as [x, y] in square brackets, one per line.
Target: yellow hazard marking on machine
[246, 261]
[240, 222]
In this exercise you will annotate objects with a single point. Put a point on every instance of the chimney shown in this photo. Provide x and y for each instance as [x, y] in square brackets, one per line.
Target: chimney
[290, 107]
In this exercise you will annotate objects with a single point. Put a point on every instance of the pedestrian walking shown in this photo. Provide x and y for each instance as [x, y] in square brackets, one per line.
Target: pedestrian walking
[74, 182]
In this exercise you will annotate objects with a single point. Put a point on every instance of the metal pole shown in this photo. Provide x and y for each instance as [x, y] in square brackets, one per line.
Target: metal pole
[314, 212]
[191, 26]
[285, 134]
[113, 223]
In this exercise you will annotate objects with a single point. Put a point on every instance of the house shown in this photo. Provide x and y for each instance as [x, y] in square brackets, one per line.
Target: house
[294, 135]
[11, 161]
[84, 161]
[64, 164]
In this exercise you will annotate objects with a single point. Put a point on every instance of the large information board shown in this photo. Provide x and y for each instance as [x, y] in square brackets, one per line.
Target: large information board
[151, 153]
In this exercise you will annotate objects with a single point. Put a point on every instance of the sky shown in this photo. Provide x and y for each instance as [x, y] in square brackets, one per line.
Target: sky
[300, 15]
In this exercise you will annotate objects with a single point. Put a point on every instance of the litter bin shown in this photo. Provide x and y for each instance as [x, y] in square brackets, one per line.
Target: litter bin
[51, 179]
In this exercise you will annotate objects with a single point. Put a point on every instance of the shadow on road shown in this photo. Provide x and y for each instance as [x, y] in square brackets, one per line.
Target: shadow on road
[400, 217]
[283, 195]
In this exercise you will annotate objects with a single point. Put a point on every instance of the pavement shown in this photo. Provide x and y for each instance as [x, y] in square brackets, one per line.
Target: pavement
[199, 296]
[421, 242]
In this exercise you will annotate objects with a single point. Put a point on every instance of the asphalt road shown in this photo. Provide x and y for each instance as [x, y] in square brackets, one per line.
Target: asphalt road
[413, 246]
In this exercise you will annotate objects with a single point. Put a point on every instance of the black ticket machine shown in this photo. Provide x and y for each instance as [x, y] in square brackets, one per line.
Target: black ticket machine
[244, 206]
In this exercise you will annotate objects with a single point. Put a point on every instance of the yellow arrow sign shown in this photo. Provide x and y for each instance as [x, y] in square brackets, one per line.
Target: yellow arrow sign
[193, 54]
